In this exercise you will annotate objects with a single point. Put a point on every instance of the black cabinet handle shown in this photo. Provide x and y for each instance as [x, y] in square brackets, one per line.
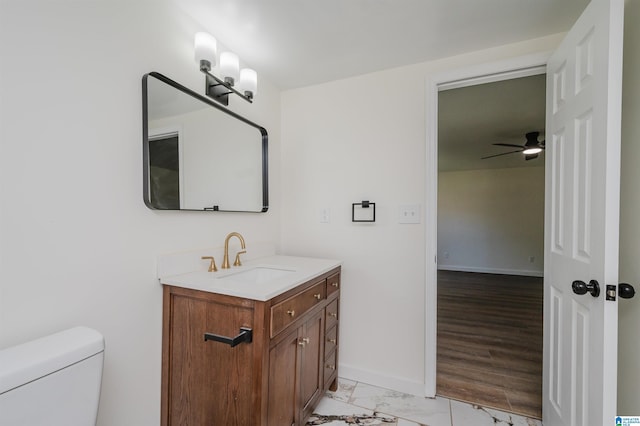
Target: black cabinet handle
[246, 335]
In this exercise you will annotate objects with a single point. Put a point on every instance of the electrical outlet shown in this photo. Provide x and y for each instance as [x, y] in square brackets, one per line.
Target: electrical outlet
[532, 259]
[409, 213]
[445, 254]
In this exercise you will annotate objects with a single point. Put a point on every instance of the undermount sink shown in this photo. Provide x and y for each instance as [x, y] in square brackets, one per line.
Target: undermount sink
[258, 275]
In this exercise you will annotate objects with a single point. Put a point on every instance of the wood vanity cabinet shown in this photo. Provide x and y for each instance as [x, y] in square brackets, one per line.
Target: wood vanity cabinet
[275, 380]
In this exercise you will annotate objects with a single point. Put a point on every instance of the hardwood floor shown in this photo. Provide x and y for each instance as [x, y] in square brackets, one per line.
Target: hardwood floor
[490, 340]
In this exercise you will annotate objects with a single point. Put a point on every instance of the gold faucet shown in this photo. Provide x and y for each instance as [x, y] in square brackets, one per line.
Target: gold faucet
[212, 264]
[225, 261]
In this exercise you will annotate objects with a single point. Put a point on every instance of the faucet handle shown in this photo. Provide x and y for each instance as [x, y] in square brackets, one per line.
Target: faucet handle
[237, 261]
[212, 264]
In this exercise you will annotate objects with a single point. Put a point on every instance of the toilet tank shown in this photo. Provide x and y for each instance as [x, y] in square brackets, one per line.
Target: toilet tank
[52, 381]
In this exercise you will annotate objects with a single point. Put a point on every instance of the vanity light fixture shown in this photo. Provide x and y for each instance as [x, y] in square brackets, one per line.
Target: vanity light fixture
[219, 89]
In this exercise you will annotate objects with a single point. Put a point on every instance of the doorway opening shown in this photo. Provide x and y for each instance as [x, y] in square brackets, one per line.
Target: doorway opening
[164, 171]
[490, 245]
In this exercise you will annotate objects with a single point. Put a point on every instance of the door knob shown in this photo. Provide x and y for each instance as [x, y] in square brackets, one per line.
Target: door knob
[626, 291]
[580, 287]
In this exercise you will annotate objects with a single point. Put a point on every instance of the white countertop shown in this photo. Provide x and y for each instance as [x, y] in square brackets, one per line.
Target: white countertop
[293, 270]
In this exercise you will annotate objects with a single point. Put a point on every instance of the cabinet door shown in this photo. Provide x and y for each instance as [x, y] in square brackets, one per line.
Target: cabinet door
[209, 382]
[284, 372]
[295, 373]
[312, 356]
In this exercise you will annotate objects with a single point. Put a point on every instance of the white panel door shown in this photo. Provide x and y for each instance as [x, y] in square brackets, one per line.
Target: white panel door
[584, 82]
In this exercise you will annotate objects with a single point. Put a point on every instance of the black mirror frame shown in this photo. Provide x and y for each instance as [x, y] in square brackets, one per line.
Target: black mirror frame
[145, 144]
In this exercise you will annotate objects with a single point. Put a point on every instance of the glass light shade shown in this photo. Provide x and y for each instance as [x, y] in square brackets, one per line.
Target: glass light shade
[229, 67]
[248, 81]
[206, 48]
[530, 151]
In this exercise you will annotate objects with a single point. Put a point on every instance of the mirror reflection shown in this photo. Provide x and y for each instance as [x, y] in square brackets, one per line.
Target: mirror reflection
[198, 155]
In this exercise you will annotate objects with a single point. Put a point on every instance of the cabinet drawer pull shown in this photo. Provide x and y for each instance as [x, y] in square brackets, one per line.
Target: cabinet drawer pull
[333, 314]
[304, 341]
[291, 313]
[331, 366]
[335, 284]
[318, 296]
[334, 341]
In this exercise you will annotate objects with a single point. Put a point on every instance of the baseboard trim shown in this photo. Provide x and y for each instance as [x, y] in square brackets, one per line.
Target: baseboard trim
[525, 272]
[381, 380]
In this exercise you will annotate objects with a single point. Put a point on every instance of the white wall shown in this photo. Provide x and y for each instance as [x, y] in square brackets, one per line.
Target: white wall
[491, 221]
[357, 139]
[77, 244]
[629, 310]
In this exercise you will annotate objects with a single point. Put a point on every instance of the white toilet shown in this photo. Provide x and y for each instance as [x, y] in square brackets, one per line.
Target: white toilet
[52, 381]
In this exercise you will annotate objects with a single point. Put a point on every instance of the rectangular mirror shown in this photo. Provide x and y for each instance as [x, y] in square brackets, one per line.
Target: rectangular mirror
[199, 155]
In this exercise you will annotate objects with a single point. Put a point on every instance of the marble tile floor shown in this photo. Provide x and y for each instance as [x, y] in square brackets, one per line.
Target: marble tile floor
[363, 404]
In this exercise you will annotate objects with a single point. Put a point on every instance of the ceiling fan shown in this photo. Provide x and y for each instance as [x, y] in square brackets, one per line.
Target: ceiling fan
[530, 149]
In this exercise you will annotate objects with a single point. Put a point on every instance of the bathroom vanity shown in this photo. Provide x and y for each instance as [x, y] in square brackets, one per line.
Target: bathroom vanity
[253, 345]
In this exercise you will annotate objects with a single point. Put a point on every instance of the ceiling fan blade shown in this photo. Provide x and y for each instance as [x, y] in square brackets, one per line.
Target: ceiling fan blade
[530, 156]
[504, 153]
[509, 145]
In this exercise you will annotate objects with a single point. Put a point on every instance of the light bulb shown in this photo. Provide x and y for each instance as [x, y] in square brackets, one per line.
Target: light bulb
[530, 151]
[248, 82]
[206, 49]
[229, 67]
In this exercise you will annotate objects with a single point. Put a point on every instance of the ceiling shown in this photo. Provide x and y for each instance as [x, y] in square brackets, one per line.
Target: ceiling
[471, 119]
[296, 43]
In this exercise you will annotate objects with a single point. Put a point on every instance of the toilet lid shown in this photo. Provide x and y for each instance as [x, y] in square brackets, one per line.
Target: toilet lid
[29, 361]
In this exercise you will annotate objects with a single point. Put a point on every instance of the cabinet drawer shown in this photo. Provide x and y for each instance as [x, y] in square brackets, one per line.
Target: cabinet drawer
[333, 284]
[331, 340]
[289, 310]
[330, 367]
[332, 314]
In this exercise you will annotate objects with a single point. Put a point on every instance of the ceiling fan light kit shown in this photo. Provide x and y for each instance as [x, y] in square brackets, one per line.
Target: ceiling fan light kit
[530, 149]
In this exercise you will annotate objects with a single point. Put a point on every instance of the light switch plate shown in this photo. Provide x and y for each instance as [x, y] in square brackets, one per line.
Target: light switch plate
[324, 215]
[409, 213]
